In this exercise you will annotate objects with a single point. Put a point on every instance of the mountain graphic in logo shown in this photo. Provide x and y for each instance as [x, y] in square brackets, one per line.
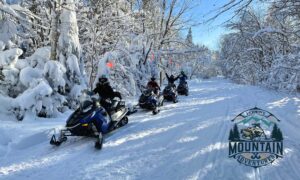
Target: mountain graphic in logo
[255, 139]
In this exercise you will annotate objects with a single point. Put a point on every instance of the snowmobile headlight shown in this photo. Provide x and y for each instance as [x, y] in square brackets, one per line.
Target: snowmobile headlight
[85, 125]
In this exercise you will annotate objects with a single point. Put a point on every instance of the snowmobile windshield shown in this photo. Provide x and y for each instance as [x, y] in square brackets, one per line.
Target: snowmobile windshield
[86, 103]
[168, 88]
[147, 92]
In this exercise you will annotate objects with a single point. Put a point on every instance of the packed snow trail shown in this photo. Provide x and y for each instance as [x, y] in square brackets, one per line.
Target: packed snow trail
[187, 140]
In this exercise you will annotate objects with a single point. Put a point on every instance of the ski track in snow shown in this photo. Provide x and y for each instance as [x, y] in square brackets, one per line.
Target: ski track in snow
[186, 140]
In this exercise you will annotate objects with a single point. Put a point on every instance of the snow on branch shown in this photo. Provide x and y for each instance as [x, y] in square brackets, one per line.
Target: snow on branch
[267, 30]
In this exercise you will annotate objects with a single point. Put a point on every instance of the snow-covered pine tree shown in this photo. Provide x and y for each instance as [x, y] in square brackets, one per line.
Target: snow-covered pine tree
[69, 52]
[189, 38]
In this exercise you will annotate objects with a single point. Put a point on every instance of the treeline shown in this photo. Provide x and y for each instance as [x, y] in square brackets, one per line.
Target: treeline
[50, 50]
[263, 48]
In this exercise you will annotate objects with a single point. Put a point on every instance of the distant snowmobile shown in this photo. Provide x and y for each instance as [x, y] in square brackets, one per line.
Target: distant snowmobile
[183, 88]
[92, 120]
[149, 100]
[170, 93]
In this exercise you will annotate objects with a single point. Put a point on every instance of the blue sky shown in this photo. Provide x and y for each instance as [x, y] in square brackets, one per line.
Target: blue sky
[209, 34]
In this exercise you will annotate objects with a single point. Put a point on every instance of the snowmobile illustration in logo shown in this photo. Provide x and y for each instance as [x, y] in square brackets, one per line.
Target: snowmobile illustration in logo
[253, 132]
[255, 139]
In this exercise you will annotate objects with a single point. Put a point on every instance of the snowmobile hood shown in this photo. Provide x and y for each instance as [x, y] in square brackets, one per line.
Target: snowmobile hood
[80, 115]
[147, 92]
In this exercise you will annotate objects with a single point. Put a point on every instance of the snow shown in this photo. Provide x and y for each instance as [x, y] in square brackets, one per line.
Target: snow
[187, 140]
[11, 75]
[55, 71]
[39, 58]
[8, 29]
[267, 30]
[2, 46]
[33, 97]
[68, 40]
[29, 76]
[72, 63]
[10, 57]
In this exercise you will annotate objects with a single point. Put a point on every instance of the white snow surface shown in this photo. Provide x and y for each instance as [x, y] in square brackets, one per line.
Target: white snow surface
[187, 140]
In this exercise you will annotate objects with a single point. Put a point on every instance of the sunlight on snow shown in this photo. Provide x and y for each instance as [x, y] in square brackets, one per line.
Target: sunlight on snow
[140, 135]
[202, 171]
[28, 165]
[205, 125]
[187, 139]
[195, 102]
[279, 103]
[251, 175]
[209, 148]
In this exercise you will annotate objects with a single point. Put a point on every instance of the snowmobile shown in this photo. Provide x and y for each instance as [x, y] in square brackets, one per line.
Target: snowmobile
[149, 100]
[92, 120]
[183, 88]
[253, 132]
[170, 93]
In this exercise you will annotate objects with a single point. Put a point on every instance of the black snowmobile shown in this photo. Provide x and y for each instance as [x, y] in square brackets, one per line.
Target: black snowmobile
[170, 93]
[183, 88]
[92, 120]
[149, 100]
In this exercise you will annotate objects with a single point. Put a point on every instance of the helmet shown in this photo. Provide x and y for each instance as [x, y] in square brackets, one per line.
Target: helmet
[102, 79]
[172, 76]
[153, 78]
[182, 72]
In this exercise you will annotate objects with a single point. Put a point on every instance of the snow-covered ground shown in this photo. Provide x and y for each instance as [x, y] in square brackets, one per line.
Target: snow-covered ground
[187, 140]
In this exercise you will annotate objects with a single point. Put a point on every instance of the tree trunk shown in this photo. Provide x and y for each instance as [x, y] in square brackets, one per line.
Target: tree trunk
[54, 33]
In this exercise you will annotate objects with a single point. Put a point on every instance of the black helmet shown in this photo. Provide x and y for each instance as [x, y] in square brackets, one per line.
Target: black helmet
[182, 72]
[172, 76]
[152, 78]
[102, 79]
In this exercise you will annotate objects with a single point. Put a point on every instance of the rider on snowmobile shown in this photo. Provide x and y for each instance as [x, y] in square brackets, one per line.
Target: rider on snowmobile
[182, 77]
[152, 84]
[106, 92]
[171, 80]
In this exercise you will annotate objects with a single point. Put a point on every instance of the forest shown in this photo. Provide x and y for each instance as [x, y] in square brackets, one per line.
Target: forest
[51, 50]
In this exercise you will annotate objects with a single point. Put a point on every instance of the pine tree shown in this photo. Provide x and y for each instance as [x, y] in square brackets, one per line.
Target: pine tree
[274, 133]
[231, 136]
[279, 135]
[236, 134]
[189, 38]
